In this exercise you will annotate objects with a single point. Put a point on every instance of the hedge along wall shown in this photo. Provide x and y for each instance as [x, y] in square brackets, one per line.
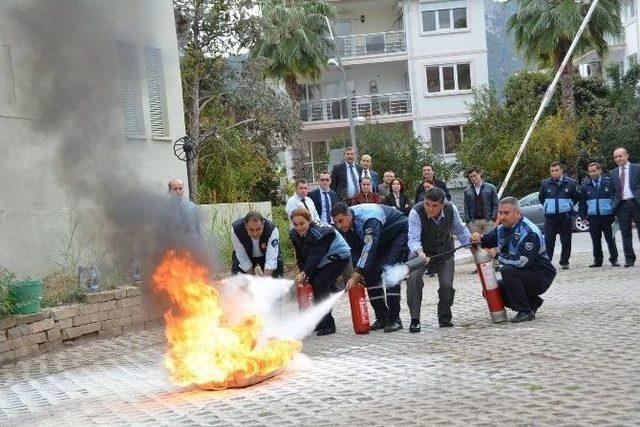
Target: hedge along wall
[108, 313]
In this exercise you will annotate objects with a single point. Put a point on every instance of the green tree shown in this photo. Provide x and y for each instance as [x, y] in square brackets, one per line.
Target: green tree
[294, 40]
[396, 148]
[207, 30]
[544, 30]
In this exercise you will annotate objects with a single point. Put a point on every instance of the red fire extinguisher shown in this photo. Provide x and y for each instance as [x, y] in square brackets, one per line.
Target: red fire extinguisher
[489, 282]
[359, 309]
[304, 292]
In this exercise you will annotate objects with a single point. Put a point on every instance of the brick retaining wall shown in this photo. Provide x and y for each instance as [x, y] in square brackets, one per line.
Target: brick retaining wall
[108, 313]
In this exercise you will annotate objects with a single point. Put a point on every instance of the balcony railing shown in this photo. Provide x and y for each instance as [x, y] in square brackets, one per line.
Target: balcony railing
[388, 104]
[371, 44]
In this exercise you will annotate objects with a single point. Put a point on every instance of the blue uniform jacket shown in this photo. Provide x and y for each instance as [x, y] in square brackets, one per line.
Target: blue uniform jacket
[596, 201]
[320, 246]
[373, 225]
[558, 198]
[521, 246]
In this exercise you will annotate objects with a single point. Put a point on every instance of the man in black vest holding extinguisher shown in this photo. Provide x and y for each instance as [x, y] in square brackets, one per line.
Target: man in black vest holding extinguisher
[256, 242]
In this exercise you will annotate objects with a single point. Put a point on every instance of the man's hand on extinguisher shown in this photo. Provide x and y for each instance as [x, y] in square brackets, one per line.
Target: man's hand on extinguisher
[354, 280]
[476, 237]
[300, 278]
[423, 256]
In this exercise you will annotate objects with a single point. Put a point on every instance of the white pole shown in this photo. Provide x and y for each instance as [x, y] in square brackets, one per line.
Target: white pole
[547, 97]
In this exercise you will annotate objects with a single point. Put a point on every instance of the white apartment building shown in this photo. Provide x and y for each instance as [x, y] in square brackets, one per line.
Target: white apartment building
[623, 51]
[412, 62]
[134, 49]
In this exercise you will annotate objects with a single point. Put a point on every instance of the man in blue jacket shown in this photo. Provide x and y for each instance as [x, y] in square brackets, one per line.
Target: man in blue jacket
[558, 195]
[527, 272]
[596, 205]
[377, 235]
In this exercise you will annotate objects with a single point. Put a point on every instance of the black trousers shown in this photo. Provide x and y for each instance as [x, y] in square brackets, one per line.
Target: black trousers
[628, 211]
[561, 224]
[323, 282]
[259, 261]
[600, 225]
[386, 309]
[521, 287]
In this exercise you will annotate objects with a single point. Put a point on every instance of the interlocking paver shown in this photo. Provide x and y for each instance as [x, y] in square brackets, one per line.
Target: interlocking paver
[577, 364]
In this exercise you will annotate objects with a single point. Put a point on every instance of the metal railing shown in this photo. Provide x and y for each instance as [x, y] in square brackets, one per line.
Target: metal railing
[371, 44]
[387, 104]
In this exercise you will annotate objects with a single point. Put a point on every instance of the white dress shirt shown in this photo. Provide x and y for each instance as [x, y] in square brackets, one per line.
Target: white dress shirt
[295, 202]
[627, 194]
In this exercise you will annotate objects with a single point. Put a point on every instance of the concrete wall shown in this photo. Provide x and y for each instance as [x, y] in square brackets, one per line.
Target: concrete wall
[37, 207]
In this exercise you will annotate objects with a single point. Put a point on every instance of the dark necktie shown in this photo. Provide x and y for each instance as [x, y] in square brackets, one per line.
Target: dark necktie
[327, 206]
[623, 178]
[304, 203]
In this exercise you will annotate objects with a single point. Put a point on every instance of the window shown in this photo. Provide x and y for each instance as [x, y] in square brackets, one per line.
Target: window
[445, 139]
[628, 10]
[443, 78]
[632, 60]
[7, 93]
[130, 90]
[315, 159]
[157, 93]
[444, 16]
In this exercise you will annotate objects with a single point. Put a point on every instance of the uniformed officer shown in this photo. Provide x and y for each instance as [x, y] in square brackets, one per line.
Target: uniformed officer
[596, 207]
[526, 270]
[256, 243]
[322, 254]
[377, 235]
[558, 195]
[432, 225]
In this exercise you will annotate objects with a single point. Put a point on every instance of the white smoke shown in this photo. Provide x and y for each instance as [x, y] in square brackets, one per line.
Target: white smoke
[393, 274]
[243, 295]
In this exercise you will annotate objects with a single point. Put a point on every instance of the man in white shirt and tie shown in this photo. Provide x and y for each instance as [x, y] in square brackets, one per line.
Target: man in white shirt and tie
[301, 200]
[626, 181]
[367, 172]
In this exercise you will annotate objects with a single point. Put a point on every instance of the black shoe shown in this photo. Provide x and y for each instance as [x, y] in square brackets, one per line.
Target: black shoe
[523, 317]
[326, 331]
[377, 325]
[394, 325]
[564, 266]
[446, 324]
[615, 264]
[628, 264]
[535, 305]
[596, 264]
[414, 326]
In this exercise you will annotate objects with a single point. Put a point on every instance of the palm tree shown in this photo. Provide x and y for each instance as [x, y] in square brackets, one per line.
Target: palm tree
[294, 40]
[544, 30]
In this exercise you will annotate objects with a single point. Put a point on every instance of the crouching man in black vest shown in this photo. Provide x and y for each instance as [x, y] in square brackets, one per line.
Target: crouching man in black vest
[431, 226]
[256, 242]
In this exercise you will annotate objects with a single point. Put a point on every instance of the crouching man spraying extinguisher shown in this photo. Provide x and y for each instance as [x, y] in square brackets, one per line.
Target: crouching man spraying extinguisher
[377, 235]
[526, 272]
[322, 254]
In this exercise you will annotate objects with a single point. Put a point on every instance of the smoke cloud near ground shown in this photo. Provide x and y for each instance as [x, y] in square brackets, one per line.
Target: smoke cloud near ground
[71, 65]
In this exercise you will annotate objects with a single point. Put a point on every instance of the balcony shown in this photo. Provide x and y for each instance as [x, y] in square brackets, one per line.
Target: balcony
[359, 45]
[367, 106]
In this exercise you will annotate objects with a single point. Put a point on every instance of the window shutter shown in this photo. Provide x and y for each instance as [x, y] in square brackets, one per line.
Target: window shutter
[157, 93]
[130, 90]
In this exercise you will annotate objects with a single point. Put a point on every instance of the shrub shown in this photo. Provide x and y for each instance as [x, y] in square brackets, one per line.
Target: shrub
[6, 304]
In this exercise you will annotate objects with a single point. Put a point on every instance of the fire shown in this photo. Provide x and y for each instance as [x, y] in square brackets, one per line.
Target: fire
[203, 347]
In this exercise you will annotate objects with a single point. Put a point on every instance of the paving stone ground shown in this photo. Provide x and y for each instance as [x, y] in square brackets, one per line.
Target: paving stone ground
[578, 363]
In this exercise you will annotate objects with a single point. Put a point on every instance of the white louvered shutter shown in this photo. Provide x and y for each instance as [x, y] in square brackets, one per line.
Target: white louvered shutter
[157, 93]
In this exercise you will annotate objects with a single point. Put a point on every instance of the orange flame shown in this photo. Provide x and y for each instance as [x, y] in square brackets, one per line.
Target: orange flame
[203, 347]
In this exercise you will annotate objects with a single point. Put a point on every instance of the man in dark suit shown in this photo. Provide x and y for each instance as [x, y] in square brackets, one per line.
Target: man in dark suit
[626, 200]
[345, 176]
[323, 197]
[367, 172]
[429, 173]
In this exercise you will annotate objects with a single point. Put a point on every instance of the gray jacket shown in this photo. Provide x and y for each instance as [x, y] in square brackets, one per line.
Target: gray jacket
[489, 196]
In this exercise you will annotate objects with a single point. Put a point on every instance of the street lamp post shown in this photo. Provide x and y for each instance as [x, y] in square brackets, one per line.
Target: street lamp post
[338, 63]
